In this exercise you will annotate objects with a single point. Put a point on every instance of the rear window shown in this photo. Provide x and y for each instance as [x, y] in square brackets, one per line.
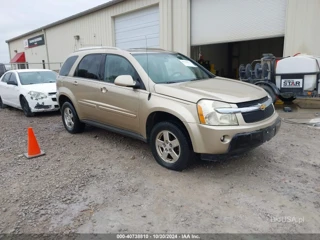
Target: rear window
[66, 67]
[6, 77]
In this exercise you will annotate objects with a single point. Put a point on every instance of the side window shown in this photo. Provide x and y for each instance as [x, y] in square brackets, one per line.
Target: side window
[67, 65]
[13, 78]
[117, 65]
[89, 67]
[6, 77]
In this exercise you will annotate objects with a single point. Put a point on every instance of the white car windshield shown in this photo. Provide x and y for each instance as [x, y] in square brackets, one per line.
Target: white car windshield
[170, 68]
[27, 78]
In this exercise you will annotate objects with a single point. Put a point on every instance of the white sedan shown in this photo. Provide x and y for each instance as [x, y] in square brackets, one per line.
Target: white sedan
[32, 90]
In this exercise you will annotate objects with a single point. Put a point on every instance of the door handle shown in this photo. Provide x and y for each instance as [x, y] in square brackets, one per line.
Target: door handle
[75, 83]
[104, 90]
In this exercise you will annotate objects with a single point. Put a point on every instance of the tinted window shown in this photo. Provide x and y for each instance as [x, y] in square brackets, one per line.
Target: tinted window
[6, 77]
[89, 67]
[117, 65]
[66, 67]
[13, 78]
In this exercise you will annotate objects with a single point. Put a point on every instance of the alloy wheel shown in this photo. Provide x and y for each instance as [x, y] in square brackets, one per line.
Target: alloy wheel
[168, 146]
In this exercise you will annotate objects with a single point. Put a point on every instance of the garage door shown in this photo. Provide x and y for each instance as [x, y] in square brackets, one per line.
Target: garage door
[218, 21]
[138, 29]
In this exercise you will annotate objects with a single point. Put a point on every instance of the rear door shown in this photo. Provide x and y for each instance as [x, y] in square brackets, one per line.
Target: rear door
[13, 91]
[85, 85]
[4, 87]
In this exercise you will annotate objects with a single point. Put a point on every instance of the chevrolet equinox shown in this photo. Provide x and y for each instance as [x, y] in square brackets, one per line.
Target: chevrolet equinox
[165, 99]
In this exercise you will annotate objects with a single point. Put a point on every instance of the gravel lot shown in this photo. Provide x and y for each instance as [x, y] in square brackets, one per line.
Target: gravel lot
[101, 182]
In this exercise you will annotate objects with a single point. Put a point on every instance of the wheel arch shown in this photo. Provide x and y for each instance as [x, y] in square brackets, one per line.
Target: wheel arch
[162, 116]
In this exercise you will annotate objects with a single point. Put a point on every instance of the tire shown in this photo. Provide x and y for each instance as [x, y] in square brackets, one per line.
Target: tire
[270, 92]
[25, 107]
[287, 100]
[175, 158]
[70, 119]
[2, 106]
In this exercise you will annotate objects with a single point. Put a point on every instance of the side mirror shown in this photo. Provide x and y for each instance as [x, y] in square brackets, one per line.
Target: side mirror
[126, 81]
[12, 83]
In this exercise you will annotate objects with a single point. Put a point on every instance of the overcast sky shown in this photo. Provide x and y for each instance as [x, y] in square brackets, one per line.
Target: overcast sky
[21, 16]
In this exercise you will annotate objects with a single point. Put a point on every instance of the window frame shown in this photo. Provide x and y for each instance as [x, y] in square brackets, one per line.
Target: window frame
[4, 75]
[100, 67]
[76, 58]
[139, 79]
[15, 76]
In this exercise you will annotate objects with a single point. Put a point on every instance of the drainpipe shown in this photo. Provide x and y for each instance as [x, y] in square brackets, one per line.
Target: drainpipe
[172, 26]
[46, 44]
[9, 55]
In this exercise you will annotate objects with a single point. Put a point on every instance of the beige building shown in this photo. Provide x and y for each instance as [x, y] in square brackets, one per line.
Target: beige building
[226, 32]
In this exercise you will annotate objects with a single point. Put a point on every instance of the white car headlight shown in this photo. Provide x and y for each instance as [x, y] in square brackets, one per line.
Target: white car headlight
[37, 95]
[208, 115]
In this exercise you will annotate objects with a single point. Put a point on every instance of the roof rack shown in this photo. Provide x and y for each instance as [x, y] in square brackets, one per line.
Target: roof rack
[97, 47]
[158, 49]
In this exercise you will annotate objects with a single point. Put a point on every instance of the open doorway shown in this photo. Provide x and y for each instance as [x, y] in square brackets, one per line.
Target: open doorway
[225, 58]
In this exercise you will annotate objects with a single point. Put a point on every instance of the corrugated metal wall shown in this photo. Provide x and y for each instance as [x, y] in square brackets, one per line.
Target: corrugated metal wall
[97, 29]
[302, 27]
[33, 55]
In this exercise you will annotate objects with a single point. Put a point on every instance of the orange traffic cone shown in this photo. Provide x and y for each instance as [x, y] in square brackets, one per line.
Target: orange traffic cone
[33, 146]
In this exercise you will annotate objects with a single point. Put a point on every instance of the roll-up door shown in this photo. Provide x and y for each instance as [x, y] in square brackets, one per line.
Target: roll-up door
[218, 21]
[138, 29]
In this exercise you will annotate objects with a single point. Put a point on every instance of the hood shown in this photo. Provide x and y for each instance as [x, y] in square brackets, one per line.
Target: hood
[42, 87]
[220, 89]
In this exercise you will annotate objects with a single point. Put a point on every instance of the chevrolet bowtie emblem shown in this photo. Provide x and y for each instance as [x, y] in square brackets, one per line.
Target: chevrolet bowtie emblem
[262, 107]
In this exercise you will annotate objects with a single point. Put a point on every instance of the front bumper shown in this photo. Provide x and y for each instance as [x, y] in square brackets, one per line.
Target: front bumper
[222, 140]
[244, 142]
[44, 105]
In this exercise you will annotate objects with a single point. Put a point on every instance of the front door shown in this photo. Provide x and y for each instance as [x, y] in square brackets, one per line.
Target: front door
[120, 105]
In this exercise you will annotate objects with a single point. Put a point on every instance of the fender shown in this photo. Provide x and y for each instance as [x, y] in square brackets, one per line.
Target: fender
[270, 84]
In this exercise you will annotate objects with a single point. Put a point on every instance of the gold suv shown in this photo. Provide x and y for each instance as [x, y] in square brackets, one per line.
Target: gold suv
[165, 99]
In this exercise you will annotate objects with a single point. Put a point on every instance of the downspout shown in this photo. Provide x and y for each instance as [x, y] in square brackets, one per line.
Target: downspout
[189, 2]
[9, 54]
[172, 26]
[46, 44]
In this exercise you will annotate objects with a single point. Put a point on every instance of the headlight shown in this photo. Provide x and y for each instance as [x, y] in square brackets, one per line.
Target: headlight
[37, 95]
[208, 115]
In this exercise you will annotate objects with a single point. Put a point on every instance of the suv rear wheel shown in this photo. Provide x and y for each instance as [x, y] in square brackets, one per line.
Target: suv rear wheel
[170, 146]
[70, 119]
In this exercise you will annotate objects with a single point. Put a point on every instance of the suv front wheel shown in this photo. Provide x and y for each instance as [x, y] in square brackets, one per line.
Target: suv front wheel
[70, 119]
[170, 146]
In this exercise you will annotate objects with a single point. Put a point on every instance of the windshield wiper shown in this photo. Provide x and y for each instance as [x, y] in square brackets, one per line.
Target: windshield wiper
[170, 82]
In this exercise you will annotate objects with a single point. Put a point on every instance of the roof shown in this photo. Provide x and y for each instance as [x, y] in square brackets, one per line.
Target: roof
[84, 13]
[19, 57]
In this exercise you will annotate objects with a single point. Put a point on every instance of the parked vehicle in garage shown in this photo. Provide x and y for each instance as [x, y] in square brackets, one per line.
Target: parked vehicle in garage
[166, 99]
[285, 78]
[32, 90]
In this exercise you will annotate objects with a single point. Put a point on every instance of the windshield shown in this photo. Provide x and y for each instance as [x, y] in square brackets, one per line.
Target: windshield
[170, 68]
[27, 78]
